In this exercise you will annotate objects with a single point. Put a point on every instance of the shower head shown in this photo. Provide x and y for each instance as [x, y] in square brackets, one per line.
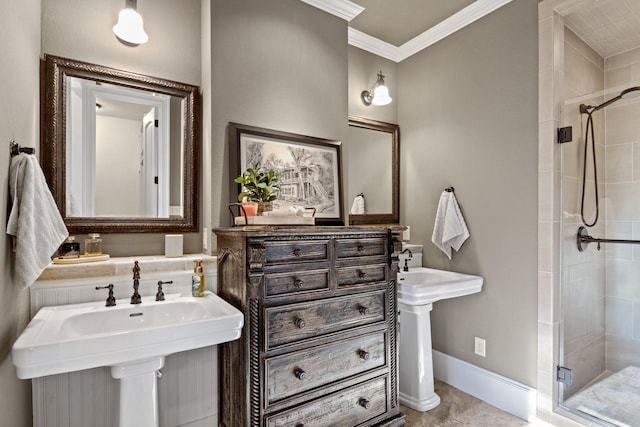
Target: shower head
[632, 92]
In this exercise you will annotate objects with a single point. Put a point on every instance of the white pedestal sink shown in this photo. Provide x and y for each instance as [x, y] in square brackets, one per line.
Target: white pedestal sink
[131, 339]
[138, 392]
[418, 289]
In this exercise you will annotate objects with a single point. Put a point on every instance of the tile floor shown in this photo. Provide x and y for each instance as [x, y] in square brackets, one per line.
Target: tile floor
[458, 409]
[612, 397]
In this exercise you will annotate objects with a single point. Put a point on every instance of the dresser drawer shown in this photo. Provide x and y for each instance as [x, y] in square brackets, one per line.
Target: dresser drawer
[277, 284]
[349, 248]
[290, 323]
[277, 252]
[303, 370]
[359, 275]
[349, 407]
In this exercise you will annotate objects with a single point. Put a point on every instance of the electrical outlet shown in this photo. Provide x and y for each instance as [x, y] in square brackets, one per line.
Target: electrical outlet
[480, 347]
[204, 239]
[406, 234]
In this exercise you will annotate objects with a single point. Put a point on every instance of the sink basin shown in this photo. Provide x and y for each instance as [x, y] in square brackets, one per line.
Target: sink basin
[422, 285]
[418, 289]
[73, 337]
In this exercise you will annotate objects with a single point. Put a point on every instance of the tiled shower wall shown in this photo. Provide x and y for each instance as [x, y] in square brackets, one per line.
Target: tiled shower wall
[623, 212]
[551, 240]
[583, 273]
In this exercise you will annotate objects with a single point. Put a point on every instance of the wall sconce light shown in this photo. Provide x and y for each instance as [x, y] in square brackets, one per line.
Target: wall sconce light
[129, 29]
[378, 95]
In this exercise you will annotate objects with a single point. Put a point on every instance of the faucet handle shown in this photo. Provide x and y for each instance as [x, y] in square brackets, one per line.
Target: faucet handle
[160, 294]
[111, 300]
[136, 270]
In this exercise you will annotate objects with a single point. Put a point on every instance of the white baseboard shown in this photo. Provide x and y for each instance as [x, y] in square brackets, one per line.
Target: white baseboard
[501, 392]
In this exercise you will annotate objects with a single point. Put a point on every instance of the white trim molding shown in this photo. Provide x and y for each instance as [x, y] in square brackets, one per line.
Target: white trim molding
[501, 392]
[373, 45]
[455, 22]
[348, 10]
[344, 9]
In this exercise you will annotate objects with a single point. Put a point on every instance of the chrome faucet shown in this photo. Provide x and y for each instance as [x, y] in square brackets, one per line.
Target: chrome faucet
[135, 298]
[406, 260]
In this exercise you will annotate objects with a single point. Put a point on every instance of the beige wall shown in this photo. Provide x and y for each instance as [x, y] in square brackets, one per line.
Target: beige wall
[363, 73]
[468, 118]
[19, 116]
[280, 65]
[81, 29]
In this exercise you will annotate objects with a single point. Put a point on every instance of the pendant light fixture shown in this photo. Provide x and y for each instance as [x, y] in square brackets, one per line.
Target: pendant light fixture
[379, 93]
[129, 30]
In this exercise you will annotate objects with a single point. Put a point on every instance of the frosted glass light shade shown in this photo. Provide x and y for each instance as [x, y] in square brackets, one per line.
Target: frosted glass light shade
[381, 96]
[129, 29]
[379, 93]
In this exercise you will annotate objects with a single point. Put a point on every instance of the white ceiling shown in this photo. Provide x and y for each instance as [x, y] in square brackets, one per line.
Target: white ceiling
[122, 110]
[397, 29]
[610, 27]
[397, 22]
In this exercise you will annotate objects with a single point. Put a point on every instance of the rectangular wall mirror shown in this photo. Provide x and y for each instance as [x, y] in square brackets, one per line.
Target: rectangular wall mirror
[373, 149]
[120, 150]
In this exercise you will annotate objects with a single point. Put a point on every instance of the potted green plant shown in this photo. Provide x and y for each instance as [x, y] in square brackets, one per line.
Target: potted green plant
[259, 185]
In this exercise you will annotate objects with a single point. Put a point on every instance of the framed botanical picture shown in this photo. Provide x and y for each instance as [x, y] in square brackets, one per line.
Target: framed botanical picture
[309, 169]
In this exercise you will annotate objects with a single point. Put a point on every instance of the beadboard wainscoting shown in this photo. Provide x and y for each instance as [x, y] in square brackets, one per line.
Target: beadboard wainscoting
[188, 387]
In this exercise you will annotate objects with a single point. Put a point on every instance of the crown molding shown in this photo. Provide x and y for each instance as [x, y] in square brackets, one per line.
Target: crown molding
[344, 9]
[464, 17]
[371, 44]
[455, 22]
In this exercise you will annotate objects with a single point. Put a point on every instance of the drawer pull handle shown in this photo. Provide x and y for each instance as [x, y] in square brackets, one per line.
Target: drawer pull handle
[296, 252]
[364, 355]
[297, 283]
[299, 373]
[360, 248]
[299, 323]
[361, 274]
[363, 310]
[364, 403]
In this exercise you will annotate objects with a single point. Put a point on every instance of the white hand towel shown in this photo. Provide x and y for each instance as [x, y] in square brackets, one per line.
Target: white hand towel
[34, 220]
[450, 230]
[357, 208]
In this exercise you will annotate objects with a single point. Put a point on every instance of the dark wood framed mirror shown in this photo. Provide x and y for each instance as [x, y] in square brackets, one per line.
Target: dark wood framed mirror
[120, 150]
[374, 170]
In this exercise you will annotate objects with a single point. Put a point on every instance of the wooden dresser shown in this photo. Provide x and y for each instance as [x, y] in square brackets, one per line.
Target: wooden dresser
[319, 344]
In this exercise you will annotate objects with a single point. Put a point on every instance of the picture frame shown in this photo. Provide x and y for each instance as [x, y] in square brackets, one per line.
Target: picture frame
[309, 169]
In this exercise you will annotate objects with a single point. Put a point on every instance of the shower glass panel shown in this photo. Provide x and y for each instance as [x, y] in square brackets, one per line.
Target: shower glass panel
[600, 286]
